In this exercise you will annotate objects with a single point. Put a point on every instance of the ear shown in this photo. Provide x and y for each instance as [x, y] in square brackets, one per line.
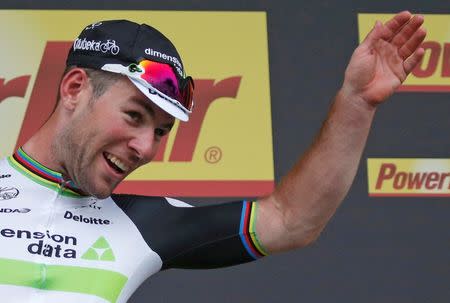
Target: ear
[74, 88]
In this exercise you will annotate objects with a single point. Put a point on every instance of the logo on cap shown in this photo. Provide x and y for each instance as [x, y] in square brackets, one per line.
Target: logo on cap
[174, 60]
[96, 46]
[93, 25]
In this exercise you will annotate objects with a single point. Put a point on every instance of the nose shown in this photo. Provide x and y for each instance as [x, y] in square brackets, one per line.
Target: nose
[143, 145]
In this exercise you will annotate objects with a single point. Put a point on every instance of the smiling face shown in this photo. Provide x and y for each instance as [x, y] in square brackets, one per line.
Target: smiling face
[108, 137]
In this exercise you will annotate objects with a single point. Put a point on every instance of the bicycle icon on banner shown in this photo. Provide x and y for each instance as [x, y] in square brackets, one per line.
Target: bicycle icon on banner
[110, 45]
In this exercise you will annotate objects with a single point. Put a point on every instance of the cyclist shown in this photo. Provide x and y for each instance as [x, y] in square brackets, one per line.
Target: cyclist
[76, 242]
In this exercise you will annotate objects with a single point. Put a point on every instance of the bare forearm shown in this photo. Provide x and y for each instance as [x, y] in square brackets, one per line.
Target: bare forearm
[300, 207]
[308, 196]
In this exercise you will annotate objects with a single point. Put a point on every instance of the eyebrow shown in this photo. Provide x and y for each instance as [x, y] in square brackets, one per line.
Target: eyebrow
[151, 112]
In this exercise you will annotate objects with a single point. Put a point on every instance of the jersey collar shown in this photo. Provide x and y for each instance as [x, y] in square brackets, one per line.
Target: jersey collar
[37, 172]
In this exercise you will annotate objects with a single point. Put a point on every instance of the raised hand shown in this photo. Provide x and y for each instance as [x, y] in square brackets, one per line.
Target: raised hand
[381, 63]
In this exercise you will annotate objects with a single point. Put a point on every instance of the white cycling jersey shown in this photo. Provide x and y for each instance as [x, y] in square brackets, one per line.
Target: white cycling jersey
[59, 246]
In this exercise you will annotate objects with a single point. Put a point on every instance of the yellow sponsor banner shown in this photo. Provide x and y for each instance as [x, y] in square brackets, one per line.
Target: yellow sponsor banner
[408, 177]
[228, 141]
[433, 74]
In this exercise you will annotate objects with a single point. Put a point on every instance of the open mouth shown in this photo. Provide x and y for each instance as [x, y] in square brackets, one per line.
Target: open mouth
[117, 165]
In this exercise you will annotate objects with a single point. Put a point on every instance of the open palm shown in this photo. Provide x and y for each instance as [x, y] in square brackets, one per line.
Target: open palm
[381, 63]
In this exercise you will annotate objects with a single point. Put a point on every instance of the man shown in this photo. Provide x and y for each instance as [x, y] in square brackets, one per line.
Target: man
[123, 87]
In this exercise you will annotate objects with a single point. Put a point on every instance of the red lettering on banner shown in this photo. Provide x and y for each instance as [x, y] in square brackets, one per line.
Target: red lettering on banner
[442, 180]
[400, 180]
[206, 93]
[387, 171]
[43, 96]
[431, 65]
[416, 180]
[446, 61]
[16, 87]
[432, 179]
[409, 180]
[427, 69]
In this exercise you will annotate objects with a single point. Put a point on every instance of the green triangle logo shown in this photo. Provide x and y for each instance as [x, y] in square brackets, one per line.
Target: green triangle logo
[108, 255]
[101, 243]
[90, 254]
[99, 251]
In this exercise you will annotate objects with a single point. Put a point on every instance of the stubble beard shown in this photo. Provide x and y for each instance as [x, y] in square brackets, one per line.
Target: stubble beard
[72, 148]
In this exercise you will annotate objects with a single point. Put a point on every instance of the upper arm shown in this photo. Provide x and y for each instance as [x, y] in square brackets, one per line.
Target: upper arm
[194, 237]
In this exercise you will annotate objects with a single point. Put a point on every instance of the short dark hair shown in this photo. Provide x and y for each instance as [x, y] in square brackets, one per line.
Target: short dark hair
[99, 79]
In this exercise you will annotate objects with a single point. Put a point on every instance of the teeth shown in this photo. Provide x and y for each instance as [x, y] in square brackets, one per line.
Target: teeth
[117, 162]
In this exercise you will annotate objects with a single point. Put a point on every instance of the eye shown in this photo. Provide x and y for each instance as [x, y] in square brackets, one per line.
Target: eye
[135, 116]
[160, 132]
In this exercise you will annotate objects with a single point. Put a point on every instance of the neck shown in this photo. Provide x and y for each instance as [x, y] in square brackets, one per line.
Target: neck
[41, 145]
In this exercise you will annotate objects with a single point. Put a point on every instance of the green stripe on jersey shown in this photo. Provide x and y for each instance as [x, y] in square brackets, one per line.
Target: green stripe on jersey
[91, 281]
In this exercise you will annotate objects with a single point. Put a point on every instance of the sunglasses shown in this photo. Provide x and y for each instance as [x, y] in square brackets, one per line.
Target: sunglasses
[163, 80]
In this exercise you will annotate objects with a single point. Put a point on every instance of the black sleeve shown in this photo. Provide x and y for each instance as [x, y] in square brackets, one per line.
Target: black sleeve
[193, 237]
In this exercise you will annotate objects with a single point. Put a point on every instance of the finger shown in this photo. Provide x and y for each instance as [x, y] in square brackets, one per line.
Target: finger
[375, 34]
[396, 23]
[412, 44]
[407, 31]
[413, 60]
[391, 27]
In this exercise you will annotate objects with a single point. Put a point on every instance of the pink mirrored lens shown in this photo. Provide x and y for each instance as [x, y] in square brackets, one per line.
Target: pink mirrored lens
[161, 77]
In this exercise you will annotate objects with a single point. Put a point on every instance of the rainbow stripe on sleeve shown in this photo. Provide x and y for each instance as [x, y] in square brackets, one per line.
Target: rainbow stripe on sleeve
[247, 230]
